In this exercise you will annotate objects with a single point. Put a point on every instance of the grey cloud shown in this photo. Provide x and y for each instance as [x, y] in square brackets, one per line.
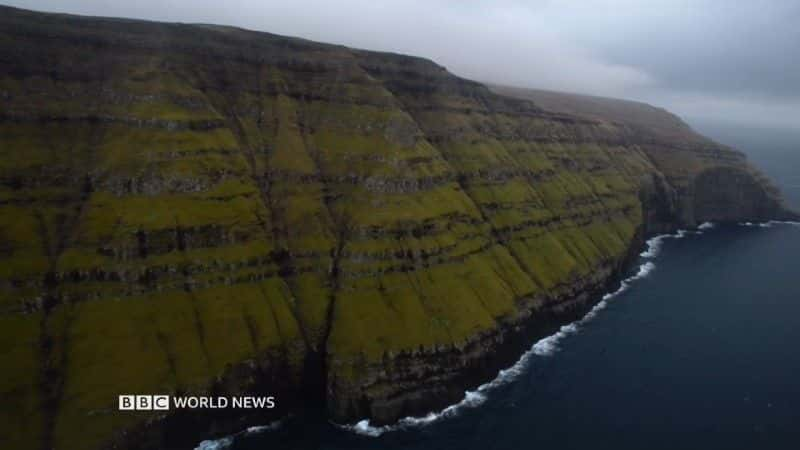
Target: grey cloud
[731, 48]
[733, 60]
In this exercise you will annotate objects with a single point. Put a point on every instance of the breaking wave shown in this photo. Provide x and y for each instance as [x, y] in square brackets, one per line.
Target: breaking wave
[542, 348]
[227, 441]
[769, 224]
[654, 243]
[217, 444]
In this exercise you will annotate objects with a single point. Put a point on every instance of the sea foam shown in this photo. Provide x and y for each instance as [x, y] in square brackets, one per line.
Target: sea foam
[654, 244]
[769, 224]
[227, 441]
[216, 444]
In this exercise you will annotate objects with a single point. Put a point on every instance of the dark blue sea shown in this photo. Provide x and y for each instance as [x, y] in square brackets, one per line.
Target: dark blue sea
[700, 350]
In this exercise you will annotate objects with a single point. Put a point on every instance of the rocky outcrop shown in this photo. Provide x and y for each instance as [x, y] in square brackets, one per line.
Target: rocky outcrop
[726, 194]
[207, 210]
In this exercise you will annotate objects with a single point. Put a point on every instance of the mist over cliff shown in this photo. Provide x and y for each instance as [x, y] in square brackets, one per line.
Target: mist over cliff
[710, 59]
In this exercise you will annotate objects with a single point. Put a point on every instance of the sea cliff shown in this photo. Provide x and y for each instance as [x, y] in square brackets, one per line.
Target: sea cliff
[201, 209]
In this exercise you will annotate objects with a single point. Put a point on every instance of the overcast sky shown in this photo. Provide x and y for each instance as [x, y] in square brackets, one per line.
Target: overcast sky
[714, 59]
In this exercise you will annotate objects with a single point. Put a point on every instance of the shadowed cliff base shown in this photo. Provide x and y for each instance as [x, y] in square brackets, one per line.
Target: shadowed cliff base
[201, 209]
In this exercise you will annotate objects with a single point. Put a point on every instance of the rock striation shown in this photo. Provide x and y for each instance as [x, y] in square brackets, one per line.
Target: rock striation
[198, 209]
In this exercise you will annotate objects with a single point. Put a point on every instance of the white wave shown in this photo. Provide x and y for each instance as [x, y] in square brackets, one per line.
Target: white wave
[543, 347]
[622, 288]
[549, 345]
[769, 224]
[471, 399]
[706, 226]
[262, 428]
[596, 309]
[217, 444]
[644, 270]
[785, 222]
[654, 244]
[227, 441]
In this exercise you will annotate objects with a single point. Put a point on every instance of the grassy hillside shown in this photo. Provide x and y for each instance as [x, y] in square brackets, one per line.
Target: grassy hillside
[192, 208]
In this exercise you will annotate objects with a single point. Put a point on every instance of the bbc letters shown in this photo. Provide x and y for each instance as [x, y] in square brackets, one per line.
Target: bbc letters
[167, 402]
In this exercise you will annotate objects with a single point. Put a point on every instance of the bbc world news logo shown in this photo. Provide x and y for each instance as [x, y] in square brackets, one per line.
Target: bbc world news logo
[167, 402]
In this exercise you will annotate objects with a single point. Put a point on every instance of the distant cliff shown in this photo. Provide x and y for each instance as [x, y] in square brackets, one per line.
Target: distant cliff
[205, 209]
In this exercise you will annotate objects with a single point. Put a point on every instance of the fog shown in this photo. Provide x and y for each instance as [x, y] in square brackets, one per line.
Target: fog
[708, 59]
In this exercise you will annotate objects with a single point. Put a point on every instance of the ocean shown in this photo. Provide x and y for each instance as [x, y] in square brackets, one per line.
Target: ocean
[698, 349]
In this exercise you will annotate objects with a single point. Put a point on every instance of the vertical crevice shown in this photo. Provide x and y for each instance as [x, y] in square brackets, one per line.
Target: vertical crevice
[342, 226]
[199, 327]
[54, 337]
[255, 154]
[169, 354]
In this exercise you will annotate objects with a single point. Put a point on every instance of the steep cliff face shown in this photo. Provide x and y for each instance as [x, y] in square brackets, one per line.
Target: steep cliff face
[700, 179]
[203, 209]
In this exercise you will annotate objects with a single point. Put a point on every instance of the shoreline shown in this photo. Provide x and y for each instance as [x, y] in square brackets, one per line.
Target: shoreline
[544, 346]
[548, 345]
